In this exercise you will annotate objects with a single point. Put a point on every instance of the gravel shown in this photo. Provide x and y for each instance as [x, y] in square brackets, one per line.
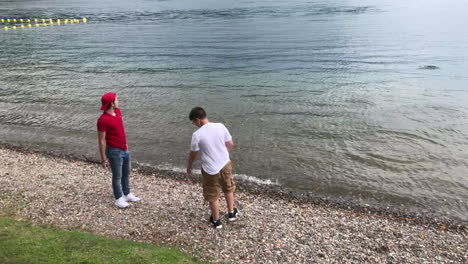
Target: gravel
[77, 195]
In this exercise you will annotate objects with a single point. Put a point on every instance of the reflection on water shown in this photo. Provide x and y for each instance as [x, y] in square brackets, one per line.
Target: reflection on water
[345, 98]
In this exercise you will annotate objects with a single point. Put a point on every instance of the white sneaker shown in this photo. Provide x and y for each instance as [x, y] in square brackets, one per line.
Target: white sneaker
[121, 203]
[131, 198]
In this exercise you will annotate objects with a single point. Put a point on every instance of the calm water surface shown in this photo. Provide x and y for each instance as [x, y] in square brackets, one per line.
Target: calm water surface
[335, 97]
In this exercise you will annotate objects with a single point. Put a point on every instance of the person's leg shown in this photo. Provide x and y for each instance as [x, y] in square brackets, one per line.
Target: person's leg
[214, 206]
[229, 200]
[115, 160]
[211, 188]
[126, 168]
[228, 185]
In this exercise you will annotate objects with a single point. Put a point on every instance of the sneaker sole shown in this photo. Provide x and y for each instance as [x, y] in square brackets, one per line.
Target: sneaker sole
[219, 227]
[233, 219]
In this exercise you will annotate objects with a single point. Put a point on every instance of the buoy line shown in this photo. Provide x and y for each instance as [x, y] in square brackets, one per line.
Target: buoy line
[38, 22]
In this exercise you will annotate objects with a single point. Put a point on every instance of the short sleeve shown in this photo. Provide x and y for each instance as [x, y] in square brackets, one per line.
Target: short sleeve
[195, 143]
[227, 135]
[101, 125]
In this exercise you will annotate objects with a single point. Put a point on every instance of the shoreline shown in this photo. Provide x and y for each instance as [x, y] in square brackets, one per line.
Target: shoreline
[72, 194]
[283, 193]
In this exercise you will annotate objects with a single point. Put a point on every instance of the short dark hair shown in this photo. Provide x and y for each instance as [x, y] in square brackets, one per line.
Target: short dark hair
[197, 113]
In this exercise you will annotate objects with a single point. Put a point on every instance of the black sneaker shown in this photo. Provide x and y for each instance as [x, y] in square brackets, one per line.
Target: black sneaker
[216, 224]
[233, 216]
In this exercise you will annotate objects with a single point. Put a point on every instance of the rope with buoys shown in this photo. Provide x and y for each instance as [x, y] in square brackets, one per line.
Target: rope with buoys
[38, 22]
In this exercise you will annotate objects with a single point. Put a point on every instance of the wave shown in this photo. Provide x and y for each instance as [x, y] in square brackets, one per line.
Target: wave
[291, 113]
[242, 177]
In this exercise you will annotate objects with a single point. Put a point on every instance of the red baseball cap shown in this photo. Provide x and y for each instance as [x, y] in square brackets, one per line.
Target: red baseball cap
[106, 99]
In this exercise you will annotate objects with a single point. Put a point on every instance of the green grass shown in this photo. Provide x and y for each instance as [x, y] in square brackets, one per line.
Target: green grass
[22, 243]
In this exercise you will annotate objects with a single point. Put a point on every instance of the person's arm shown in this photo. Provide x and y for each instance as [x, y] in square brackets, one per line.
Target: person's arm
[192, 156]
[229, 145]
[102, 149]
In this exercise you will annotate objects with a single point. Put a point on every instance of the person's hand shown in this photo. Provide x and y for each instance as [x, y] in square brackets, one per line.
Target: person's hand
[189, 171]
[105, 164]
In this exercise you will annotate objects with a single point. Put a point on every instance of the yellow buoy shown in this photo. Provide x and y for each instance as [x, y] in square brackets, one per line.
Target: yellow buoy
[6, 28]
[21, 20]
[8, 20]
[66, 21]
[37, 25]
[71, 21]
[51, 21]
[43, 20]
[3, 20]
[22, 26]
[44, 24]
[35, 20]
[29, 20]
[29, 25]
[14, 19]
[13, 27]
[85, 20]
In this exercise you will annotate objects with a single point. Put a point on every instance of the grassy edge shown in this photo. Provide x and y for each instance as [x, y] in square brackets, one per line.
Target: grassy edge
[21, 242]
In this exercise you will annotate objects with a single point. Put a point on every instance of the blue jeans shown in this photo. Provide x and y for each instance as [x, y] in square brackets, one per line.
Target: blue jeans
[119, 160]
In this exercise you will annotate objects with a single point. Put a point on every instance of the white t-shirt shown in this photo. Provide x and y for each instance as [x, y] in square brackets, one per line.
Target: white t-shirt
[210, 140]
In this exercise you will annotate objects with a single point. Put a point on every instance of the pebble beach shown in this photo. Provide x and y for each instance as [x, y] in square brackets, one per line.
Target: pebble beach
[74, 194]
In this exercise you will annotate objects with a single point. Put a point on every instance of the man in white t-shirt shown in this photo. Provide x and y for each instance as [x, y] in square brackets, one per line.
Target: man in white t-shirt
[214, 142]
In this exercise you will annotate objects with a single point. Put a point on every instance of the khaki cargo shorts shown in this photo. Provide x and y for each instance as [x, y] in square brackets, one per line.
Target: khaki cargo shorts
[213, 183]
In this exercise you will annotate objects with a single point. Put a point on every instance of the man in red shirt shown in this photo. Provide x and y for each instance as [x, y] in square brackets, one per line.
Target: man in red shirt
[114, 149]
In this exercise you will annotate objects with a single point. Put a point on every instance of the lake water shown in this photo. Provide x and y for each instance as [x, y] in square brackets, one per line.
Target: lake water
[365, 100]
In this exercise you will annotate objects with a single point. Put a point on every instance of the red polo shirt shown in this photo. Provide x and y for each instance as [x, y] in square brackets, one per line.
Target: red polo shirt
[114, 128]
